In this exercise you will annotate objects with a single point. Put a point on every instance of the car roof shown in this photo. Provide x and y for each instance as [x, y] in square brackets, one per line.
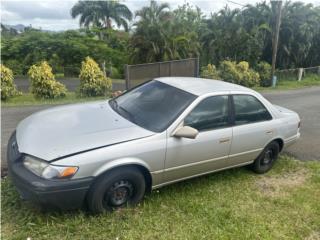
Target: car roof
[201, 86]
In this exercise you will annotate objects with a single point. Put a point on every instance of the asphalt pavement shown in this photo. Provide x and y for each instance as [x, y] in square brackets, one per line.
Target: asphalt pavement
[306, 102]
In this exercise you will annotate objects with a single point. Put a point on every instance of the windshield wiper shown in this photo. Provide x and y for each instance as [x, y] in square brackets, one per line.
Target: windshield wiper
[117, 108]
[129, 114]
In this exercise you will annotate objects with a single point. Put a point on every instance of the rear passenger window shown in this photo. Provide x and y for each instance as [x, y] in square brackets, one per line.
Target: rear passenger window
[248, 109]
[211, 113]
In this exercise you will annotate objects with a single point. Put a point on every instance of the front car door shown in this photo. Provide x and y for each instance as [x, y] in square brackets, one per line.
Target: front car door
[253, 128]
[209, 150]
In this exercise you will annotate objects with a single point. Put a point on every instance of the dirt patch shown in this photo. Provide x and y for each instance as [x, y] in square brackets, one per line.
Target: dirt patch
[278, 186]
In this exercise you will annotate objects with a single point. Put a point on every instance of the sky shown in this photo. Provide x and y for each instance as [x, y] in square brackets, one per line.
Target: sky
[55, 14]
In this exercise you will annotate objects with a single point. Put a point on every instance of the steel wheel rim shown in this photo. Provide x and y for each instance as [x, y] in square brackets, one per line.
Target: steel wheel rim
[268, 157]
[119, 194]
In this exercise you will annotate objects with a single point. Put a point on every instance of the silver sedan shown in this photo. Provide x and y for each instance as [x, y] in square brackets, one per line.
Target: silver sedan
[108, 154]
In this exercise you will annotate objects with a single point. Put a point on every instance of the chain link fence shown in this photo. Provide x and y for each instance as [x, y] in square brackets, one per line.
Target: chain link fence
[140, 73]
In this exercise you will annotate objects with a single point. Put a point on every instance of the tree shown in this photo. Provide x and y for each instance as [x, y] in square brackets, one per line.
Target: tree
[102, 13]
[64, 50]
[299, 36]
[148, 40]
[161, 34]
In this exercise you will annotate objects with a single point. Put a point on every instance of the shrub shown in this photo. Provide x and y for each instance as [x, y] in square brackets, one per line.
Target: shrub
[210, 72]
[43, 83]
[8, 88]
[92, 80]
[264, 70]
[239, 73]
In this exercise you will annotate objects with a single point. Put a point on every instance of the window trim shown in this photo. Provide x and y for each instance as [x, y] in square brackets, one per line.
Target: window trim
[234, 110]
[230, 112]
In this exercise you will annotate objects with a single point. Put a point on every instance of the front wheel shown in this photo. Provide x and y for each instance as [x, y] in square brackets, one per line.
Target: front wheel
[266, 159]
[116, 189]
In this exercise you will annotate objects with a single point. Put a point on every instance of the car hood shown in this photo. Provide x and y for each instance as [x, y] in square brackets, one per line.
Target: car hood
[70, 129]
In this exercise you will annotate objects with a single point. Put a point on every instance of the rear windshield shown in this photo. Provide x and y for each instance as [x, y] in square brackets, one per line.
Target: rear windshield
[153, 105]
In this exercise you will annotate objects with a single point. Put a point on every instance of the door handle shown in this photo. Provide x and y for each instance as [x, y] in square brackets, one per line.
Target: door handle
[224, 140]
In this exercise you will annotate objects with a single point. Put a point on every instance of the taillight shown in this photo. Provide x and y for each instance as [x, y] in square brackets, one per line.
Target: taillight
[299, 124]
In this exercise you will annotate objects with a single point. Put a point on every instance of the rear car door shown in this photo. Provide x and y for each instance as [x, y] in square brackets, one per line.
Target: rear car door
[253, 128]
[209, 150]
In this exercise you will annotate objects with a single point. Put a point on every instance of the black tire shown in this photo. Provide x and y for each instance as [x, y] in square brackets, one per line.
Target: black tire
[266, 159]
[118, 188]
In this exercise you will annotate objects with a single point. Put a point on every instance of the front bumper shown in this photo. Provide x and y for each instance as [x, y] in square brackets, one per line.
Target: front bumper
[62, 194]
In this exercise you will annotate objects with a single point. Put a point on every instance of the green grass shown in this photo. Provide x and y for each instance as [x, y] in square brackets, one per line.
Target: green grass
[290, 84]
[233, 204]
[28, 99]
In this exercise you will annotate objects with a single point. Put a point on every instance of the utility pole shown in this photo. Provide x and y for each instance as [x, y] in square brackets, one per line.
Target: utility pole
[275, 38]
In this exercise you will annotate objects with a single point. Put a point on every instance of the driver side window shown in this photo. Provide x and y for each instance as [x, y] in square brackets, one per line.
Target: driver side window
[210, 113]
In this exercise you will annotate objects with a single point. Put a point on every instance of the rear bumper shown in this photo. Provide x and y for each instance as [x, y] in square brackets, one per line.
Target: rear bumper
[289, 141]
[62, 194]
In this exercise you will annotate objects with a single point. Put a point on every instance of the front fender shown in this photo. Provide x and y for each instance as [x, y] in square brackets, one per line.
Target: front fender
[120, 162]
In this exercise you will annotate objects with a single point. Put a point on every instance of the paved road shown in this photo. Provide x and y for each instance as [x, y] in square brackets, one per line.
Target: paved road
[306, 102]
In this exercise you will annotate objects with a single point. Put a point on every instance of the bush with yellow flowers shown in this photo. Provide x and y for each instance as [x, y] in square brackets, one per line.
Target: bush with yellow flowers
[92, 80]
[8, 88]
[210, 71]
[239, 73]
[43, 83]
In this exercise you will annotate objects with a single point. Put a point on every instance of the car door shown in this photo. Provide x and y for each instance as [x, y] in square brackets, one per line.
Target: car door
[253, 128]
[209, 150]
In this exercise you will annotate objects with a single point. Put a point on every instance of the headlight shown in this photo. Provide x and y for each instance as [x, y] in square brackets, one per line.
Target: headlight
[47, 170]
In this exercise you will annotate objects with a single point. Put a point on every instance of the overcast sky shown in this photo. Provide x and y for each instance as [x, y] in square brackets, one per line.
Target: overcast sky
[55, 14]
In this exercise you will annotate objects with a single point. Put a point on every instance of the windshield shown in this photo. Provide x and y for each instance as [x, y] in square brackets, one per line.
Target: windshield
[153, 105]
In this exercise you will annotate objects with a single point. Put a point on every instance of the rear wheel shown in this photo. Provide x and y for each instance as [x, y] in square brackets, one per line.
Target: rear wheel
[266, 159]
[116, 189]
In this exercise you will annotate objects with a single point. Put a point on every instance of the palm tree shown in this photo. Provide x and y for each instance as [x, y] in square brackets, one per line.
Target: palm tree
[102, 13]
[155, 13]
[162, 35]
[148, 40]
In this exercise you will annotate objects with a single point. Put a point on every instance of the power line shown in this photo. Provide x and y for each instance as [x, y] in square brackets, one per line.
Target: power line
[236, 3]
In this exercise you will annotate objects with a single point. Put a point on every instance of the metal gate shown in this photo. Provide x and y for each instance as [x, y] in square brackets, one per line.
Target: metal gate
[140, 73]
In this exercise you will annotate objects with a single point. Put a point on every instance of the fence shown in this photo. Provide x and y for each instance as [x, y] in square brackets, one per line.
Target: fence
[140, 73]
[297, 74]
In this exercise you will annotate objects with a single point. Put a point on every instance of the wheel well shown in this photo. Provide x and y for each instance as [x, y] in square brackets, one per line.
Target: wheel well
[280, 142]
[142, 169]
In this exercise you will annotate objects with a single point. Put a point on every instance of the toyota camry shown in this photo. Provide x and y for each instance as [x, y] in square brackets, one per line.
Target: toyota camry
[108, 154]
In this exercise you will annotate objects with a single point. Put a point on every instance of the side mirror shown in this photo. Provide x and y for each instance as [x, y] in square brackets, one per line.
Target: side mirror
[186, 132]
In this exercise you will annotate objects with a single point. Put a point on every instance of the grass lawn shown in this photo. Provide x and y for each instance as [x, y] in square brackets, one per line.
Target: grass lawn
[28, 99]
[233, 204]
[290, 84]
